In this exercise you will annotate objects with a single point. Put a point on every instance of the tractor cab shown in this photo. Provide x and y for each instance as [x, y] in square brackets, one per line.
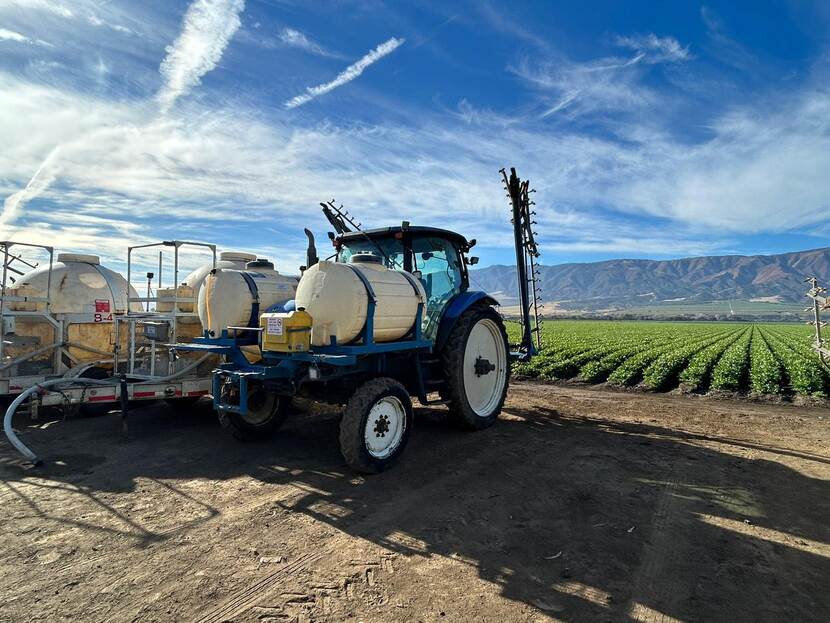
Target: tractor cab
[437, 257]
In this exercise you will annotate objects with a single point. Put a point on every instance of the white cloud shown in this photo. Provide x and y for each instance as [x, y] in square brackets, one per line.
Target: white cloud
[599, 86]
[656, 49]
[296, 39]
[347, 75]
[207, 29]
[722, 46]
[603, 85]
[763, 171]
[11, 35]
[49, 6]
[86, 10]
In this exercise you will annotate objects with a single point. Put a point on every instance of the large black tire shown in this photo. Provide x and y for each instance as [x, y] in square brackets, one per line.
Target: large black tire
[266, 414]
[453, 355]
[374, 413]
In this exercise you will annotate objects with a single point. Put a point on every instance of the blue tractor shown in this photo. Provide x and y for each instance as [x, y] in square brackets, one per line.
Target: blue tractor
[454, 349]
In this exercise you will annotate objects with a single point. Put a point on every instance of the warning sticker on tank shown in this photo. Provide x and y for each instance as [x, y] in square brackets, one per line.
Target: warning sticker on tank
[274, 326]
[102, 306]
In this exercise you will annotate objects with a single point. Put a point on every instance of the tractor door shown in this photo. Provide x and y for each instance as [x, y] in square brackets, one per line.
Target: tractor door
[437, 263]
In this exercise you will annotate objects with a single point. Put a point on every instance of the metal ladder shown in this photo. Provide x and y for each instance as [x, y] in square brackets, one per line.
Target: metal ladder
[820, 302]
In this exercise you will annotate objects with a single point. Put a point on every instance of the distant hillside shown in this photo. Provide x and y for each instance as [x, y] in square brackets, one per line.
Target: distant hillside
[625, 284]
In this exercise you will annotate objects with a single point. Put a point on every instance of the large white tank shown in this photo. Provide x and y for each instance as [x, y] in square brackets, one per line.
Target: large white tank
[337, 300]
[191, 284]
[84, 294]
[227, 296]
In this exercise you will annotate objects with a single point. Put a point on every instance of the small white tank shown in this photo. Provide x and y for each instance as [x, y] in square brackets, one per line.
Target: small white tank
[84, 294]
[337, 300]
[191, 284]
[226, 298]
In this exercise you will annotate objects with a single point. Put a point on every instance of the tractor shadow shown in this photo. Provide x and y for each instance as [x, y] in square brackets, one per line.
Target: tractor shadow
[581, 518]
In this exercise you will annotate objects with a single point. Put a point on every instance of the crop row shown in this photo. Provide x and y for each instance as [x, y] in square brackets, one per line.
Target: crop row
[762, 359]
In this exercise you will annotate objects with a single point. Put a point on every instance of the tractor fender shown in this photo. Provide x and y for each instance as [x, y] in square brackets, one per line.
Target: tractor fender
[455, 308]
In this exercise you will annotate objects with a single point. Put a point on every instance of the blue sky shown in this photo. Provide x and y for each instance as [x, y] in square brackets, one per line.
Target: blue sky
[652, 129]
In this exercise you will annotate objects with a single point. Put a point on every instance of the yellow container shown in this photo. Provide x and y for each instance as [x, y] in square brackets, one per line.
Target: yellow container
[287, 332]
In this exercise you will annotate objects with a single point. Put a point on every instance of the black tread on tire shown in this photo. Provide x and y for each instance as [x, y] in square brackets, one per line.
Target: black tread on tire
[452, 360]
[353, 423]
[244, 430]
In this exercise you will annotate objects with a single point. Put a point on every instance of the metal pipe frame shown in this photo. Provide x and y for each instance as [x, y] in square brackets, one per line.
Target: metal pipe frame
[7, 245]
[133, 317]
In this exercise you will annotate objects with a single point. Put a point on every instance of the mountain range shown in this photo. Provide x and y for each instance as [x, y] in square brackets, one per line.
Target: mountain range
[626, 283]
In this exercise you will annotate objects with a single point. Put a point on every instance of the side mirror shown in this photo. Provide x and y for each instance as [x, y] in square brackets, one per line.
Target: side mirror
[472, 261]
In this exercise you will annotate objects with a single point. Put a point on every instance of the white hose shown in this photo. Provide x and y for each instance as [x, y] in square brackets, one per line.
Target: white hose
[7, 420]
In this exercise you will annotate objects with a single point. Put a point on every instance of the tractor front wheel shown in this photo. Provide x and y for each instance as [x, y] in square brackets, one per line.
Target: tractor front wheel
[476, 368]
[376, 424]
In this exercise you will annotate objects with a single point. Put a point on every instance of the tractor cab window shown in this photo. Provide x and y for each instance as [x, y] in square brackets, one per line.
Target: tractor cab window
[389, 249]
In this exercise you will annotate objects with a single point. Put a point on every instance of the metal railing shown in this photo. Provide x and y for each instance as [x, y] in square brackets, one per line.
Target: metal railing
[143, 355]
[8, 316]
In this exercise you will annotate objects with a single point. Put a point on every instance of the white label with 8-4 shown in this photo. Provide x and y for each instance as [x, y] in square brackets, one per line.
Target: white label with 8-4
[274, 326]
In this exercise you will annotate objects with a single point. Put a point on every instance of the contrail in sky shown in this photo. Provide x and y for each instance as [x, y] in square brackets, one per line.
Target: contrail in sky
[347, 75]
[207, 28]
[40, 181]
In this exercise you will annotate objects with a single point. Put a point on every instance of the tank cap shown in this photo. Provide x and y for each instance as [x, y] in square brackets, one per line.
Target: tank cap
[260, 263]
[78, 257]
[236, 256]
[365, 258]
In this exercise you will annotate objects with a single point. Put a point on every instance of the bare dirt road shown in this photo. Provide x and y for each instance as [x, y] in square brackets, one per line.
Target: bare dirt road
[579, 505]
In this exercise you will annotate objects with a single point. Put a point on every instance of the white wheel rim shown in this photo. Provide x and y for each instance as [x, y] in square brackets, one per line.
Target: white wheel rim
[485, 345]
[385, 427]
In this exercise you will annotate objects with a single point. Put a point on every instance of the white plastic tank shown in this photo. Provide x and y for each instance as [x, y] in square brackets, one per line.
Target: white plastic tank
[191, 284]
[337, 300]
[228, 295]
[83, 293]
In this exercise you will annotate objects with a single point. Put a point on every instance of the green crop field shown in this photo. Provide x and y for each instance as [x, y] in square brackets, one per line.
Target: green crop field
[700, 357]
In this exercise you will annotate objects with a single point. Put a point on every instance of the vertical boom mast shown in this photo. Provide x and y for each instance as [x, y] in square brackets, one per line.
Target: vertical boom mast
[527, 254]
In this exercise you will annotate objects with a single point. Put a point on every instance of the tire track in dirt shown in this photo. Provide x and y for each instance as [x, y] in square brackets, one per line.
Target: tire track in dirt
[248, 597]
[654, 583]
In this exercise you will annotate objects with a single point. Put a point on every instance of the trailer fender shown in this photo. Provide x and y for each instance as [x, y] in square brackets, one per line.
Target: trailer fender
[456, 307]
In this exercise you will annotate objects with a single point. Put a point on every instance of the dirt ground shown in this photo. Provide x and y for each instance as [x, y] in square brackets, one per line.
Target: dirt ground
[581, 504]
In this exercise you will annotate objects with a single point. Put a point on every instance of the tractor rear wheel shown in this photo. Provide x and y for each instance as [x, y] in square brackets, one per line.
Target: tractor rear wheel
[266, 414]
[376, 424]
[476, 368]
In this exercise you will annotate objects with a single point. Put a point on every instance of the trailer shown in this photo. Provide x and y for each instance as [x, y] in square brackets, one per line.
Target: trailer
[141, 364]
